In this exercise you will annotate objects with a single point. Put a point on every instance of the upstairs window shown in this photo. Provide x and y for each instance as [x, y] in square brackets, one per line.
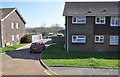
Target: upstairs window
[99, 39]
[100, 20]
[114, 40]
[78, 39]
[12, 25]
[17, 26]
[115, 21]
[78, 20]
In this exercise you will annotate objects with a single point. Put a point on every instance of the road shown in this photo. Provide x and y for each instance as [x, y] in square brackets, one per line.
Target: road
[84, 71]
[21, 62]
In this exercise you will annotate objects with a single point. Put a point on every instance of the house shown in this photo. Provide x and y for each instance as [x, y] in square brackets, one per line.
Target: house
[36, 37]
[92, 26]
[12, 26]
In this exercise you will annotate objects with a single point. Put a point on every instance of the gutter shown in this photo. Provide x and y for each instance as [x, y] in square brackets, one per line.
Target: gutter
[67, 36]
[1, 38]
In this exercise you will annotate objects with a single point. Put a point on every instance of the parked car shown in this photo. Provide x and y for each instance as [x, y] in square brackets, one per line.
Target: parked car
[37, 47]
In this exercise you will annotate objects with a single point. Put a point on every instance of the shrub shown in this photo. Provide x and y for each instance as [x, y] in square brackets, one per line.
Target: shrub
[26, 39]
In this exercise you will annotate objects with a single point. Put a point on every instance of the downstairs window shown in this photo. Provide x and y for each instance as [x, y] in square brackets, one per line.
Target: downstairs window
[78, 39]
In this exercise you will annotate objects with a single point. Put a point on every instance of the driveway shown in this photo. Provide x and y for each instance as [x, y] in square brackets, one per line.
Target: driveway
[22, 62]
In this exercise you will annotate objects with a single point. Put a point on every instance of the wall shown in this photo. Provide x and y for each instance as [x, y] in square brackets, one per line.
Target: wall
[58, 39]
[106, 30]
[90, 29]
[81, 29]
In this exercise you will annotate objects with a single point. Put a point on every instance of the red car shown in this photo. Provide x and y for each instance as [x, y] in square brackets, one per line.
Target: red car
[37, 47]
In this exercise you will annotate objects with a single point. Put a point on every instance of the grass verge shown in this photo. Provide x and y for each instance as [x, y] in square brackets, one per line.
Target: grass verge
[56, 56]
[5, 49]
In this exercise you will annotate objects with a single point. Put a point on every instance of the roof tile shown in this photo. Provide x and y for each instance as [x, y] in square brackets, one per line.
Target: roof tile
[91, 9]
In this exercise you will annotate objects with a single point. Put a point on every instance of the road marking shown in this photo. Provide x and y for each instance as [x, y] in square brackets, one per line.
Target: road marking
[47, 72]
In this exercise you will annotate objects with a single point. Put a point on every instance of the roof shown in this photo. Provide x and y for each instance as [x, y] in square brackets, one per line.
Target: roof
[91, 9]
[5, 12]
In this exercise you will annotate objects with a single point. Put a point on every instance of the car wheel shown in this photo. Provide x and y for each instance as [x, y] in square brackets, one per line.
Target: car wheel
[43, 48]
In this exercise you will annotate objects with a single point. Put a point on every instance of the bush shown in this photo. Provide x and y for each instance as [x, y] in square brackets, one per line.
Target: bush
[26, 39]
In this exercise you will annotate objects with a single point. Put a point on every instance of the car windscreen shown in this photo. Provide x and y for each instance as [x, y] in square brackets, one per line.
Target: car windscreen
[35, 44]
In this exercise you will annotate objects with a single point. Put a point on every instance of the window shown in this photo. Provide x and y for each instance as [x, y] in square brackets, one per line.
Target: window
[115, 21]
[99, 39]
[18, 37]
[17, 26]
[12, 25]
[100, 20]
[114, 40]
[79, 20]
[78, 39]
[13, 37]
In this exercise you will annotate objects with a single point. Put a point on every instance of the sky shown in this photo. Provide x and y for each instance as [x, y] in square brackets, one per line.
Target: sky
[39, 12]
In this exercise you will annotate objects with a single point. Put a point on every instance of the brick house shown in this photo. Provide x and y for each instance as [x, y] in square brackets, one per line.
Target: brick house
[12, 26]
[92, 26]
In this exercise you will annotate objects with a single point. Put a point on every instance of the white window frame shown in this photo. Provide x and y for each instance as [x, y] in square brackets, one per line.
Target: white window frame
[17, 26]
[13, 37]
[114, 42]
[113, 21]
[79, 20]
[100, 37]
[78, 38]
[12, 25]
[101, 19]
[18, 37]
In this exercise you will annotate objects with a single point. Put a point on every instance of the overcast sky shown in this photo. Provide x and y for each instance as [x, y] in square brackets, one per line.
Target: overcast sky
[38, 12]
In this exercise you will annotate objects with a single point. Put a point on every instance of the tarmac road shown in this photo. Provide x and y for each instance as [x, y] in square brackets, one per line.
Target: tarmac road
[84, 71]
[22, 62]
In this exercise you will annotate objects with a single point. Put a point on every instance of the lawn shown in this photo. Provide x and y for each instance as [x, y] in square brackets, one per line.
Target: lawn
[56, 56]
[5, 49]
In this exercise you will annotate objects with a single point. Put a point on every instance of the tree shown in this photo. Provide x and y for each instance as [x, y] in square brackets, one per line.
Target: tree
[55, 28]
